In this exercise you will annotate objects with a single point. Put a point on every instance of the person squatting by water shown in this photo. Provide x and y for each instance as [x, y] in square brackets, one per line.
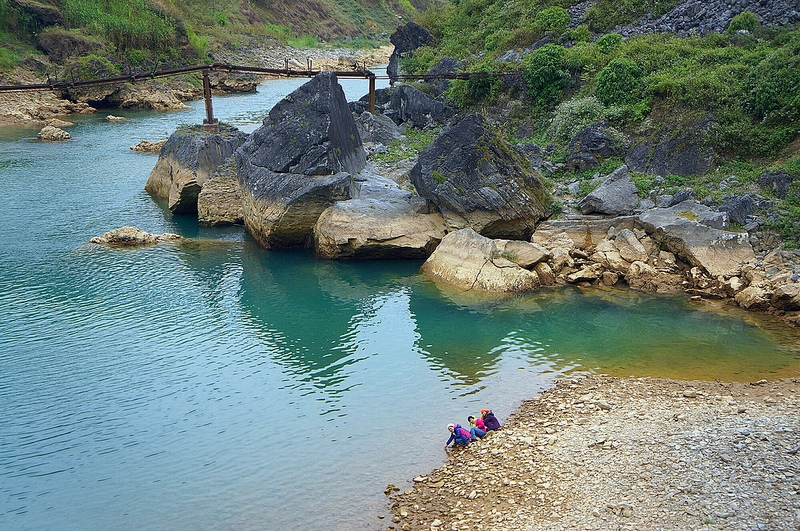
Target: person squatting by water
[458, 436]
[477, 429]
[490, 420]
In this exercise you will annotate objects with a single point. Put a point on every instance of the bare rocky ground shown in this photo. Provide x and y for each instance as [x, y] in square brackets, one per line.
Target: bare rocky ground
[602, 453]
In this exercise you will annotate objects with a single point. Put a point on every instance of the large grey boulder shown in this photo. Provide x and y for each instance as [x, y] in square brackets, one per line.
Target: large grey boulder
[298, 163]
[382, 221]
[409, 105]
[445, 66]
[617, 195]
[377, 129]
[406, 39]
[778, 182]
[186, 161]
[679, 230]
[738, 208]
[470, 261]
[476, 180]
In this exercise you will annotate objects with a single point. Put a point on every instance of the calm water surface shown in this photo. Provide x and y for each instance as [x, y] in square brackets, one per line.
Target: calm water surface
[215, 385]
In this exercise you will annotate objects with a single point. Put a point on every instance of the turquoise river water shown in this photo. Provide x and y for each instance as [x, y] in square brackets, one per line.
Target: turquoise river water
[216, 385]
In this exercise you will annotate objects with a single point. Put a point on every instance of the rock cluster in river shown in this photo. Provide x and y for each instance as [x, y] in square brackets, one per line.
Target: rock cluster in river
[627, 454]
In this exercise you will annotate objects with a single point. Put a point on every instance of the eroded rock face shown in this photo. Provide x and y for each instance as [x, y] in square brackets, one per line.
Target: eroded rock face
[299, 163]
[417, 108]
[476, 180]
[382, 222]
[472, 262]
[719, 252]
[220, 200]
[185, 163]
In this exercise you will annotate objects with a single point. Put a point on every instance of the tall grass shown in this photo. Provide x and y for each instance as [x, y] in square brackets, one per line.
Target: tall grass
[125, 23]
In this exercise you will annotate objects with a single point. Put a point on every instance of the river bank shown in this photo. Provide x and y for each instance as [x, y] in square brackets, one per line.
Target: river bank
[616, 453]
[48, 107]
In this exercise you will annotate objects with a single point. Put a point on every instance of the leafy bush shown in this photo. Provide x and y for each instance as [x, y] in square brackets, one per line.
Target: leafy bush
[746, 20]
[553, 18]
[618, 82]
[546, 74]
[574, 115]
[608, 42]
[419, 61]
[773, 86]
[476, 90]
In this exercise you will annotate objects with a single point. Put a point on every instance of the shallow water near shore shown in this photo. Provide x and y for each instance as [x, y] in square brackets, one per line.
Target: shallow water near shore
[212, 384]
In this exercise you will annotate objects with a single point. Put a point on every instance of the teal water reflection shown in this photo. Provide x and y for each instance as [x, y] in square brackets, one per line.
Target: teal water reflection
[211, 384]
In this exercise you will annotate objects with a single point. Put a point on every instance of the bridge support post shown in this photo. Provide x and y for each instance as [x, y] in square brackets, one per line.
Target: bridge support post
[210, 124]
[372, 93]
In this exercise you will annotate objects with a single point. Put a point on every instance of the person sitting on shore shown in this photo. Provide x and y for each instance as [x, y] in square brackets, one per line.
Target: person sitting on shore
[458, 436]
[490, 420]
[477, 428]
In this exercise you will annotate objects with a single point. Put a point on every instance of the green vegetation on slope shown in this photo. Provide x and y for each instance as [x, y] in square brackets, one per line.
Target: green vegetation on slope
[745, 83]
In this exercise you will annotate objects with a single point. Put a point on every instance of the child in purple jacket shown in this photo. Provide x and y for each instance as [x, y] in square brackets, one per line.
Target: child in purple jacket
[458, 435]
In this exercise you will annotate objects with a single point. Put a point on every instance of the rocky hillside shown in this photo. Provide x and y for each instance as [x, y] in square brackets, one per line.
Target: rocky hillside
[694, 97]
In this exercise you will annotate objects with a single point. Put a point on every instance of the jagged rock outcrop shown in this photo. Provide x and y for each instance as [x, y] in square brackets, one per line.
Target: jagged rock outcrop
[779, 182]
[145, 146]
[590, 147]
[445, 66]
[692, 17]
[405, 40]
[410, 105]
[382, 221]
[472, 262]
[133, 236]
[233, 82]
[377, 129]
[476, 180]
[617, 195]
[186, 161]
[298, 163]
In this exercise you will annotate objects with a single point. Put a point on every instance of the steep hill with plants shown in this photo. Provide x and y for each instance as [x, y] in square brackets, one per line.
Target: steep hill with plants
[135, 32]
[715, 82]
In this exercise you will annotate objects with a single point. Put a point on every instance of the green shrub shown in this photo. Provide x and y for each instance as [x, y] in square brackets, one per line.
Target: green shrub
[476, 90]
[419, 61]
[304, 41]
[553, 18]
[609, 42]
[581, 34]
[546, 74]
[773, 86]
[618, 83]
[572, 116]
[746, 20]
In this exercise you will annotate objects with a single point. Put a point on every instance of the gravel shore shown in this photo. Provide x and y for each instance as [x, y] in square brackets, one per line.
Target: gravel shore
[624, 454]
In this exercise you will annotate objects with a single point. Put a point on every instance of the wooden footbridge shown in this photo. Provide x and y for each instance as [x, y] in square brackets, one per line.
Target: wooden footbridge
[212, 124]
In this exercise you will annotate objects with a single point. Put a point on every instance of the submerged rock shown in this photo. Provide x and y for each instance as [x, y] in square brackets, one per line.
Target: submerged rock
[53, 134]
[133, 236]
